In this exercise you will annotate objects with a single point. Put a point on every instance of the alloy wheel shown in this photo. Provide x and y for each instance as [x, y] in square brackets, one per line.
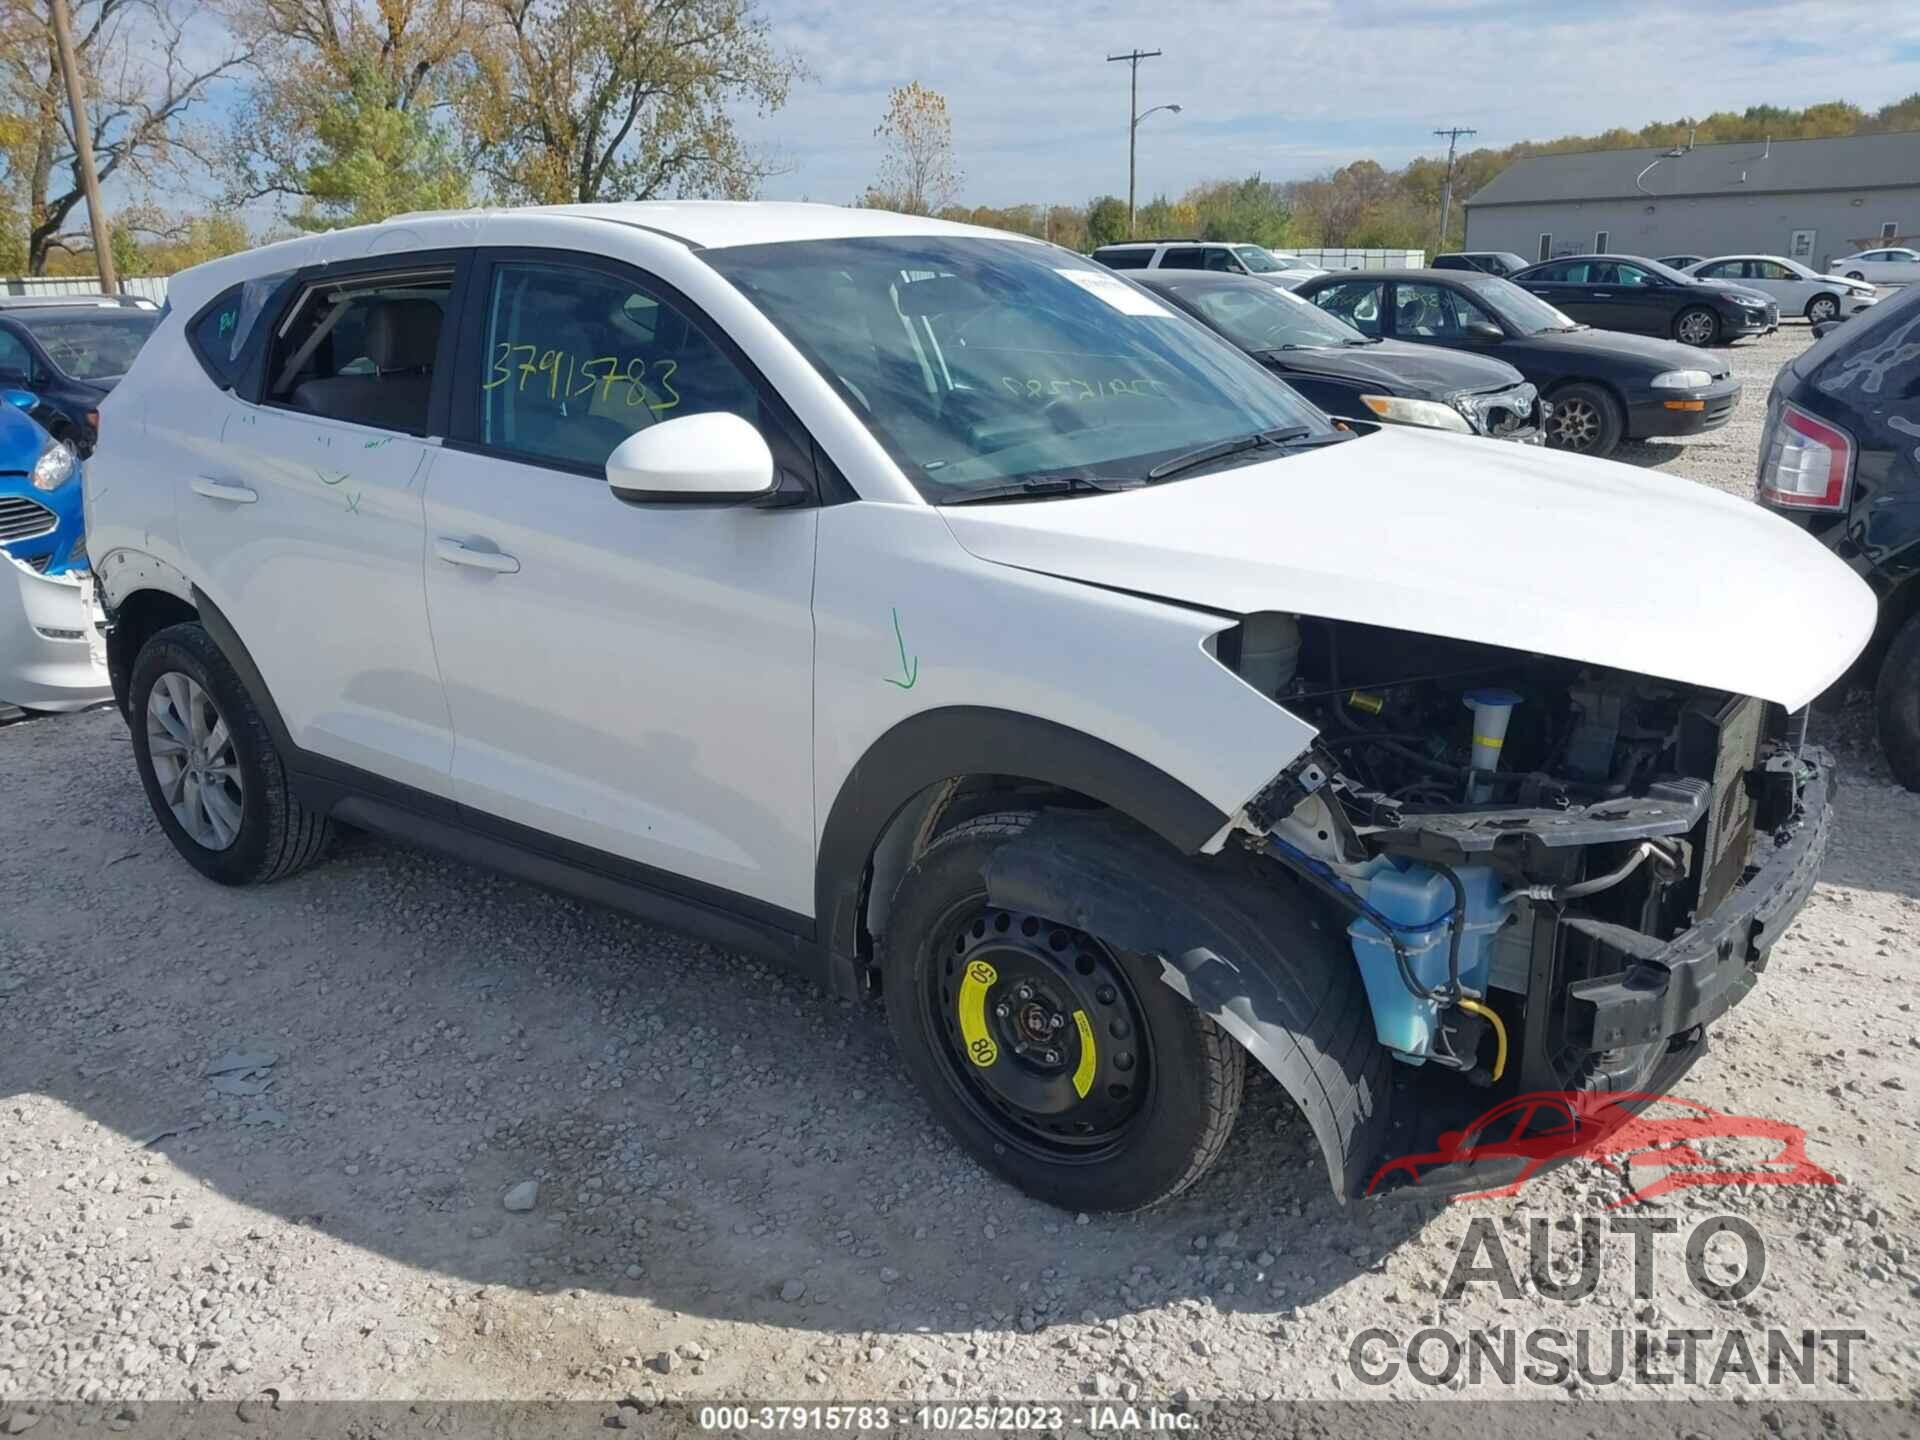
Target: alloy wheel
[1696, 328]
[1575, 424]
[194, 760]
[1822, 308]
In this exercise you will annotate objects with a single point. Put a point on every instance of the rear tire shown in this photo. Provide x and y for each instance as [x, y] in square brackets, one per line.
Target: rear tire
[1183, 1077]
[1855, 275]
[1896, 704]
[1586, 420]
[1697, 326]
[215, 781]
[1822, 307]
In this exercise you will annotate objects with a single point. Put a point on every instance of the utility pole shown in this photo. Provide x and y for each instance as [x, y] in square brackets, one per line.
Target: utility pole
[1133, 59]
[83, 148]
[1446, 193]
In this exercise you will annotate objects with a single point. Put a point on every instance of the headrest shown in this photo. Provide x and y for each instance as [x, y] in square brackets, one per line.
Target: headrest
[403, 334]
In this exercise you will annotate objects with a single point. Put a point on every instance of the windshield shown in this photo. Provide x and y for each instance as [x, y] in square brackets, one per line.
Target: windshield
[95, 345]
[1523, 310]
[979, 362]
[1257, 260]
[1259, 317]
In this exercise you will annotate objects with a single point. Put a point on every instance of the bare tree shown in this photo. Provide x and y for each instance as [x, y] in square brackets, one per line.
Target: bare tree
[143, 74]
[917, 173]
[582, 100]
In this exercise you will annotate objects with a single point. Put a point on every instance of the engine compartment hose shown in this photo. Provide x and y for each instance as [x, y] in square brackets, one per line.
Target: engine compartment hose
[1492, 1017]
[1559, 894]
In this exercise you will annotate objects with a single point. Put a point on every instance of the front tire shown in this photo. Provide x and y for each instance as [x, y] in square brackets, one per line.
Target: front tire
[1822, 307]
[1697, 326]
[1896, 704]
[208, 763]
[1059, 1062]
[1586, 420]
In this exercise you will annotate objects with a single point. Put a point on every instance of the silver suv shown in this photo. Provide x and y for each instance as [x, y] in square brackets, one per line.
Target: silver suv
[1227, 258]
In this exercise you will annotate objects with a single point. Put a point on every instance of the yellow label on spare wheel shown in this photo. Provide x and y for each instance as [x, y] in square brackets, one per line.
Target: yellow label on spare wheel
[1083, 1073]
[978, 980]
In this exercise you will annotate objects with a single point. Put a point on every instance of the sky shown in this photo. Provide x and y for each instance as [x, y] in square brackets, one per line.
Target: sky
[1039, 115]
[1290, 91]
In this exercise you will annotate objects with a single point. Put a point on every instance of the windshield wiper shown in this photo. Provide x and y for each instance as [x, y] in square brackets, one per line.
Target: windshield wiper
[1039, 487]
[1221, 449]
[1363, 340]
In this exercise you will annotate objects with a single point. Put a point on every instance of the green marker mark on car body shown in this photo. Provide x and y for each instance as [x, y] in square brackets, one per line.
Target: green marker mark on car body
[912, 672]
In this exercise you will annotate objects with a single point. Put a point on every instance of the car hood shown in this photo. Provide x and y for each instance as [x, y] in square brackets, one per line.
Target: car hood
[1659, 354]
[1446, 535]
[1401, 368]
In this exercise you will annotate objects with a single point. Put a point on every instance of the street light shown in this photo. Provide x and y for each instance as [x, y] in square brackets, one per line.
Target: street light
[1132, 134]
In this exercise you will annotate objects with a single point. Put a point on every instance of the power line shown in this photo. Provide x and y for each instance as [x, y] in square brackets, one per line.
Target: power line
[1133, 59]
[1453, 135]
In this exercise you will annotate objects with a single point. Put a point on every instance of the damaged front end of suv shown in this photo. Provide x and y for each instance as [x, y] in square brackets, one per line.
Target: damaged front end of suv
[1555, 875]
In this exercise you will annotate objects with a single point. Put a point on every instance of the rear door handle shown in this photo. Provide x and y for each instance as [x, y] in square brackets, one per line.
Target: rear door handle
[1603, 295]
[455, 553]
[223, 490]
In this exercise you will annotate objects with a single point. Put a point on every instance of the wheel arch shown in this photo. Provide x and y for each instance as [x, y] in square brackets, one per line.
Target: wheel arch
[893, 800]
[1206, 921]
[139, 616]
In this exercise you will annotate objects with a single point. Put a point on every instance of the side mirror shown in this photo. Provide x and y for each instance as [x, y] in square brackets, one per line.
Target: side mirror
[713, 459]
[25, 399]
[1483, 332]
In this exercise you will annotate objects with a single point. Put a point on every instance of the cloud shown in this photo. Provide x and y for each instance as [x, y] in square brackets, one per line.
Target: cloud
[1039, 114]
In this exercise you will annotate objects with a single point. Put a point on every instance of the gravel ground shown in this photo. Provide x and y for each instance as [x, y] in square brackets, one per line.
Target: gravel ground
[401, 1129]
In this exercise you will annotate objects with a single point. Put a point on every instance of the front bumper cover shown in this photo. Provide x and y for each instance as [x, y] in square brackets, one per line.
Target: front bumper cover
[1668, 988]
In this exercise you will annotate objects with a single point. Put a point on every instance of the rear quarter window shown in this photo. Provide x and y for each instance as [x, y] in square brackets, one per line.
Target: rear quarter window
[224, 335]
[1123, 259]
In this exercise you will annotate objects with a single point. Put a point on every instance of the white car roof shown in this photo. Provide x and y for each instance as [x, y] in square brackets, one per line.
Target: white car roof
[702, 224]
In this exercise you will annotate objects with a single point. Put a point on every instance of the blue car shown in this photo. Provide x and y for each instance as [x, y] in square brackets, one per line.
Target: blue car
[40, 514]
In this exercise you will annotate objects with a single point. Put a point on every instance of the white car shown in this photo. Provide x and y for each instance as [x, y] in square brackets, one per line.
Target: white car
[1889, 265]
[1799, 290]
[933, 611]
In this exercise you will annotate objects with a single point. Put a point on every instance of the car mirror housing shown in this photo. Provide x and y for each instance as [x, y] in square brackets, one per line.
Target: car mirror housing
[1483, 332]
[712, 459]
[25, 399]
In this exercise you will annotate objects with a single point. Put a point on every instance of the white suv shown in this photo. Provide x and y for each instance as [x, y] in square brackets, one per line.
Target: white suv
[933, 611]
[1285, 271]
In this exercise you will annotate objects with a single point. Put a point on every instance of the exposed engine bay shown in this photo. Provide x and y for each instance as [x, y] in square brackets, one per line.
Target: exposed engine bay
[1511, 834]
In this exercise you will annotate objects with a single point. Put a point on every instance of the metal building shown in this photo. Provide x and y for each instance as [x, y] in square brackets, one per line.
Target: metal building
[1812, 200]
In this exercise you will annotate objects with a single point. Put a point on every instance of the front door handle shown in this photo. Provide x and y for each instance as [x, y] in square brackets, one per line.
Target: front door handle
[455, 553]
[223, 490]
[1602, 295]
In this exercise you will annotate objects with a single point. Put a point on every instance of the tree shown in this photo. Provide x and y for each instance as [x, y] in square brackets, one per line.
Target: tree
[349, 111]
[582, 100]
[917, 173]
[1106, 221]
[143, 73]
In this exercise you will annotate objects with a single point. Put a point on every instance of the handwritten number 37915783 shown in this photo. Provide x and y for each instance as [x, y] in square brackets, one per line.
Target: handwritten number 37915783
[566, 377]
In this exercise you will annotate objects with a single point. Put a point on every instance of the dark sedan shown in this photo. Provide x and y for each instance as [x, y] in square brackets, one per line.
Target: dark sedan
[1603, 386]
[70, 357]
[1840, 455]
[1349, 374]
[1628, 292]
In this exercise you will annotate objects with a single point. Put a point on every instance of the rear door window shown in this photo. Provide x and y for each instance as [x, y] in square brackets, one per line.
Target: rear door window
[363, 349]
[1358, 302]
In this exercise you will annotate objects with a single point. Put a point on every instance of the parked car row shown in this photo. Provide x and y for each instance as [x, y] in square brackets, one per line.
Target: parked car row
[952, 619]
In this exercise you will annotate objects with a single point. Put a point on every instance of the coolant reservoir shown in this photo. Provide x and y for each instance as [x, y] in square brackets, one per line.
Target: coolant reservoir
[1269, 650]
